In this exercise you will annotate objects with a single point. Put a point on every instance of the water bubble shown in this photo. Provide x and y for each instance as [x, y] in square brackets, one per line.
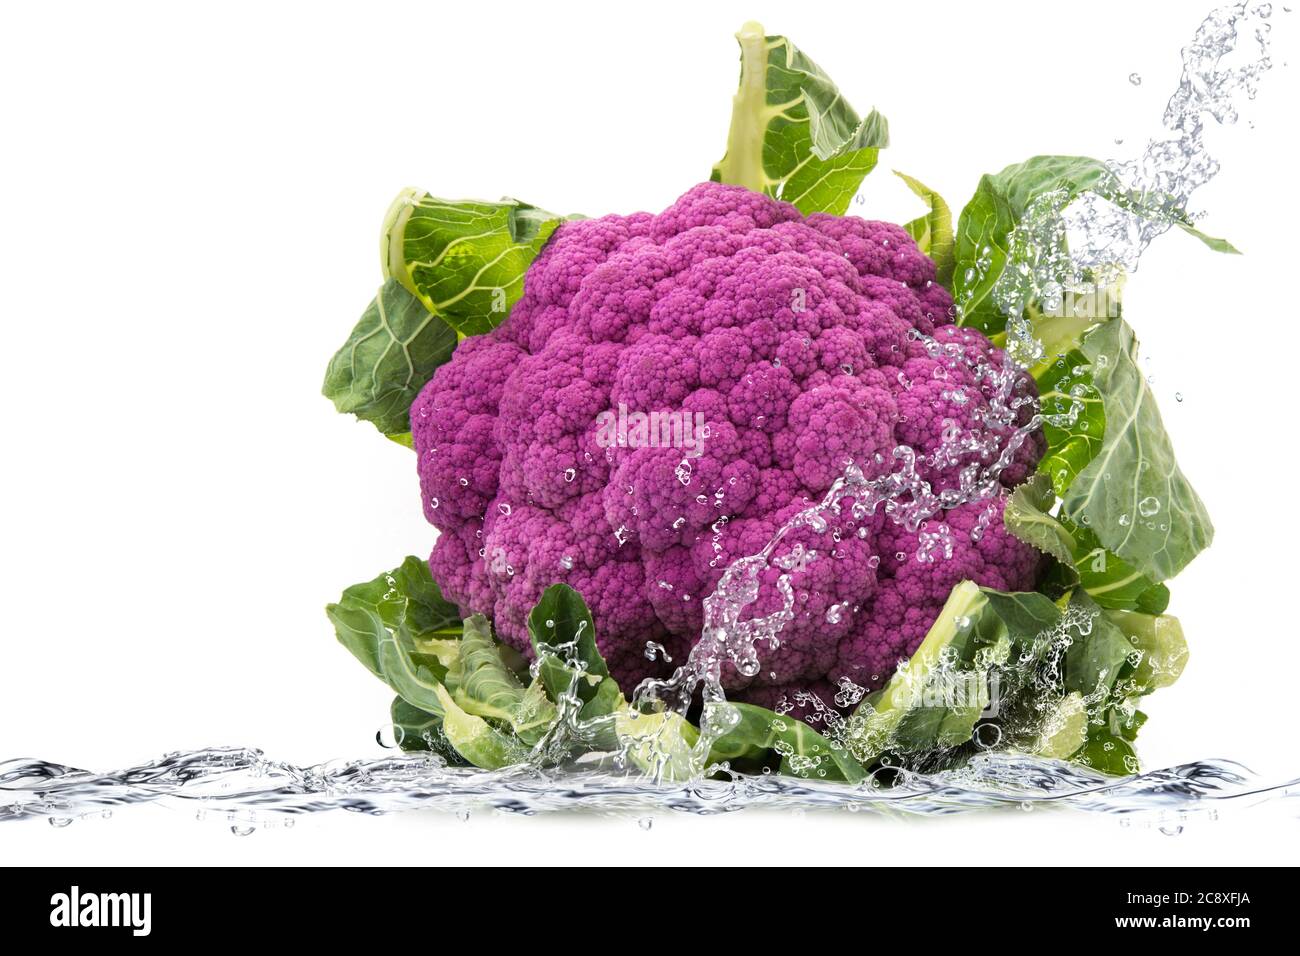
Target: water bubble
[1178, 396]
[645, 823]
[59, 822]
[1135, 79]
[242, 830]
[1148, 506]
[570, 474]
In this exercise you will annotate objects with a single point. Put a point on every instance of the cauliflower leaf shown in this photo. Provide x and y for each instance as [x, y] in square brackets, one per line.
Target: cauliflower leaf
[391, 353]
[464, 259]
[793, 135]
[933, 231]
[1132, 495]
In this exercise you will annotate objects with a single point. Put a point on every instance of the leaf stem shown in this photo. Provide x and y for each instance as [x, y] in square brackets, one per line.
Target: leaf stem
[743, 164]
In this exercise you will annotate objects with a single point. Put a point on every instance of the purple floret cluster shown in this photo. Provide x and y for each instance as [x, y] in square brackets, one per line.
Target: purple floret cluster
[802, 342]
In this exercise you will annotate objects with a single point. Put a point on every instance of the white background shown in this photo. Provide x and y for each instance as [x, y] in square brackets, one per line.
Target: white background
[189, 214]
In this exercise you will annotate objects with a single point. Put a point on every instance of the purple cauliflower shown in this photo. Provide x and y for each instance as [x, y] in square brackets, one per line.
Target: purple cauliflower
[801, 345]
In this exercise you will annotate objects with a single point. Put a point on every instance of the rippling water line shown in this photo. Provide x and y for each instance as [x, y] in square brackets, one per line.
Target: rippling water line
[243, 788]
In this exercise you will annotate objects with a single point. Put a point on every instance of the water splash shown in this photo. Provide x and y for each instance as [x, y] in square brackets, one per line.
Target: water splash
[244, 790]
[1081, 244]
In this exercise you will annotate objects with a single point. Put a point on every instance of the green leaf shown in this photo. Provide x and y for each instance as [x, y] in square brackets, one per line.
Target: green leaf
[1159, 641]
[1218, 245]
[793, 136]
[803, 751]
[933, 231]
[1108, 579]
[489, 688]
[983, 241]
[1074, 418]
[402, 629]
[1065, 677]
[392, 352]
[1065, 729]
[661, 744]
[1109, 747]
[933, 702]
[475, 739]
[1096, 656]
[1132, 494]
[564, 641]
[1122, 657]
[464, 260]
[419, 731]
[1026, 516]
[985, 230]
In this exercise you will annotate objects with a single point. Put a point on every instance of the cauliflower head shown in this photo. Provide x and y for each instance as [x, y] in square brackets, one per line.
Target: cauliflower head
[801, 343]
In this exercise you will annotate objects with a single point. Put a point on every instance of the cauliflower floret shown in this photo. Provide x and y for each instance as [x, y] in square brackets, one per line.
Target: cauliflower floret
[798, 344]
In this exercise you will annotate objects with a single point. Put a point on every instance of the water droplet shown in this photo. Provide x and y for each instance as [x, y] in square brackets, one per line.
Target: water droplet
[1148, 506]
[59, 822]
[645, 823]
[1135, 79]
[242, 831]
